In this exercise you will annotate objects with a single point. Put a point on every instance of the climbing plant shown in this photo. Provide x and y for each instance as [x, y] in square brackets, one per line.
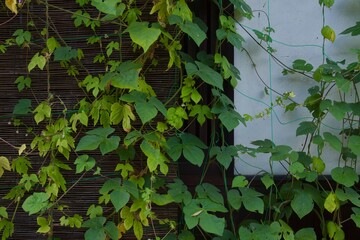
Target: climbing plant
[103, 124]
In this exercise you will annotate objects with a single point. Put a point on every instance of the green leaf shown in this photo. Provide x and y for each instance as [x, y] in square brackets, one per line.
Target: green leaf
[349, 194]
[224, 155]
[142, 34]
[346, 176]
[109, 144]
[263, 36]
[65, 53]
[243, 8]
[342, 83]
[202, 112]
[301, 65]
[21, 36]
[305, 234]
[109, 185]
[90, 142]
[35, 202]
[356, 216]
[179, 192]
[84, 162]
[41, 111]
[106, 6]
[250, 199]
[354, 144]
[94, 211]
[4, 165]
[23, 82]
[235, 39]
[185, 235]
[7, 228]
[239, 182]
[331, 228]
[138, 229]
[281, 152]
[207, 190]
[334, 142]
[95, 234]
[22, 107]
[111, 230]
[267, 180]
[44, 225]
[182, 10]
[175, 147]
[99, 138]
[306, 128]
[161, 199]
[193, 154]
[154, 157]
[302, 203]
[146, 111]
[234, 199]
[132, 137]
[191, 212]
[206, 73]
[212, 224]
[328, 33]
[120, 8]
[176, 116]
[334, 231]
[119, 198]
[189, 145]
[126, 76]
[327, 3]
[96, 229]
[74, 221]
[354, 30]
[37, 60]
[52, 44]
[194, 31]
[339, 109]
[3, 212]
[231, 119]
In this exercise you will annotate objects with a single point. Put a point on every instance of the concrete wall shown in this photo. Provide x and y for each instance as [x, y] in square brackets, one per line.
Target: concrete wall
[297, 35]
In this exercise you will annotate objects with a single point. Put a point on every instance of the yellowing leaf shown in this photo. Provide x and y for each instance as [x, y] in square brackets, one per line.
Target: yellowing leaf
[328, 33]
[21, 149]
[4, 164]
[121, 229]
[331, 203]
[11, 4]
[318, 165]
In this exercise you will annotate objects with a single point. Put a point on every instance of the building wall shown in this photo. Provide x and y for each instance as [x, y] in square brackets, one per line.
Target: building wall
[297, 35]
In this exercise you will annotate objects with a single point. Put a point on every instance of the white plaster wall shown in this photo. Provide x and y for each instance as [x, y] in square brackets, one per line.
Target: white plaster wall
[297, 35]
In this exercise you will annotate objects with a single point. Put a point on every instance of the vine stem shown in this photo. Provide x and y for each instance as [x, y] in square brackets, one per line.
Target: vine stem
[68, 190]
[16, 208]
[8, 143]
[151, 218]
[47, 37]
[228, 203]
[10, 19]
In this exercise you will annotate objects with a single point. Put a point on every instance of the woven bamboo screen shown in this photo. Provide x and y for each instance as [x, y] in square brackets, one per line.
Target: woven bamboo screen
[63, 87]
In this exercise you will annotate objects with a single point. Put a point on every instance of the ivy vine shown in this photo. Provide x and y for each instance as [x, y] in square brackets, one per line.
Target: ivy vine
[121, 116]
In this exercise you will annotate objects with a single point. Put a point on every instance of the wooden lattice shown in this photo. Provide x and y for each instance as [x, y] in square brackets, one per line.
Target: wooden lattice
[14, 63]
